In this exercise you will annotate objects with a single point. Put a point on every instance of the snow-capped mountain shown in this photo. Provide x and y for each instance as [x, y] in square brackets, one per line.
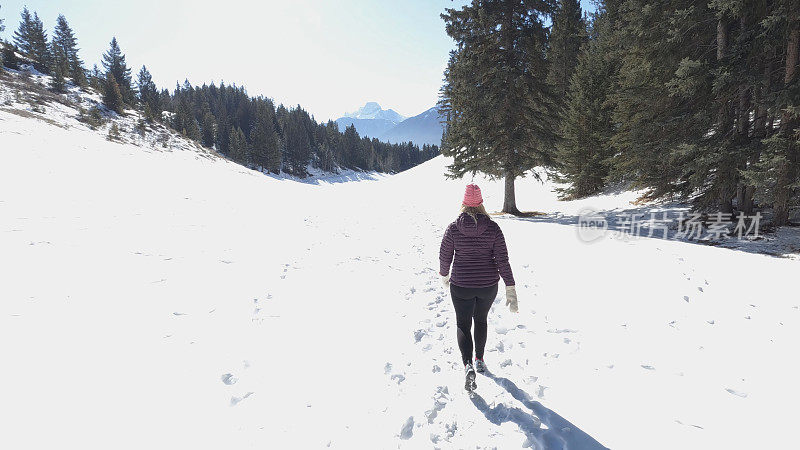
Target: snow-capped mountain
[387, 125]
[425, 128]
[372, 110]
[370, 120]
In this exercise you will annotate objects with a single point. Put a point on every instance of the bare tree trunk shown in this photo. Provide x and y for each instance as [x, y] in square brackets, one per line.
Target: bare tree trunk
[722, 38]
[760, 129]
[726, 186]
[510, 199]
[786, 171]
[743, 132]
[748, 204]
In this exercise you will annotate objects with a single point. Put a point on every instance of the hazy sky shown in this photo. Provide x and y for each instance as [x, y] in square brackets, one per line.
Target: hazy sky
[328, 56]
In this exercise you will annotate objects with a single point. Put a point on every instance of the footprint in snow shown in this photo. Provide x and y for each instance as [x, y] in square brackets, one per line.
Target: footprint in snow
[540, 393]
[440, 399]
[450, 429]
[688, 424]
[562, 330]
[506, 363]
[737, 393]
[644, 366]
[399, 377]
[418, 335]
[236, 400]
[229, 379]
[387, 369]
[408, 429]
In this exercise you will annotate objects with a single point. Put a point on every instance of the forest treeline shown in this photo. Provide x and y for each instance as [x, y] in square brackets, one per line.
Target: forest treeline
[698, 101]
[249, 130]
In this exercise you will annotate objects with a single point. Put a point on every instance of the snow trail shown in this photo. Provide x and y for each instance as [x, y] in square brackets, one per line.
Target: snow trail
[156, 298]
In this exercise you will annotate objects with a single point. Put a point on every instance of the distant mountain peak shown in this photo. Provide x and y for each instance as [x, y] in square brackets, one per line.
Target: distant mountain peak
[372, 110]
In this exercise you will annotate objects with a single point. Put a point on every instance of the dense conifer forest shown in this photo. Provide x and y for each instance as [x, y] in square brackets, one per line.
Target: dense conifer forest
[696, 101]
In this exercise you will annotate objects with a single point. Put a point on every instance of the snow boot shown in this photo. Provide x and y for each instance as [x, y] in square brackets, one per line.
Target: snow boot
[470, 383]
[480, 366]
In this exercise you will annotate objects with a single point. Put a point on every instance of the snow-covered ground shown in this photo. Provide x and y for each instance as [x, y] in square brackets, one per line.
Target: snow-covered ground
[165, 298]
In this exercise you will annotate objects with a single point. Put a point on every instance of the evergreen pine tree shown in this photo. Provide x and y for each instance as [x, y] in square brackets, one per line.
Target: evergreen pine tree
[59, 60]
[114, 63]
[567, 35]
[41, 49]
[148, 94]
[237, 148]
[664, 104]
[96, 79]
[273, 154]
[585, 151]
[57, 81]
[498, 105]
[32, 41]
[187, 124]
[263, 143]
[112, 97]
[258, 151]
[208, 130]
[298, 142]
[350, 144]
[65, 52]
[22, 36]
[8, 56]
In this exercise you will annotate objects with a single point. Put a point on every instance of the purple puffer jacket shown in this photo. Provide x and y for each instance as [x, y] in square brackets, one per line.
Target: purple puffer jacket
[481, 257]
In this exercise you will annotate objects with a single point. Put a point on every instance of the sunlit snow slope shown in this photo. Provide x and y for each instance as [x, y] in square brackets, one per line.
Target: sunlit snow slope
[165, 299]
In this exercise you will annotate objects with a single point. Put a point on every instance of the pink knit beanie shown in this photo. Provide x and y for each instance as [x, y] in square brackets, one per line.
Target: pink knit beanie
[472, 196]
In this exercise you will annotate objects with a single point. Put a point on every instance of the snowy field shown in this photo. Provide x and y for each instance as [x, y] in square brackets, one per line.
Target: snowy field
[166, 298]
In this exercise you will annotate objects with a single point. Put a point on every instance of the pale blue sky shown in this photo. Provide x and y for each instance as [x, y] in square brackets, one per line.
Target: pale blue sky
[328, 56]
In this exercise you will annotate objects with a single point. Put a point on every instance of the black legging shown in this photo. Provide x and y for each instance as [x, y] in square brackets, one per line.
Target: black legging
[472, 304]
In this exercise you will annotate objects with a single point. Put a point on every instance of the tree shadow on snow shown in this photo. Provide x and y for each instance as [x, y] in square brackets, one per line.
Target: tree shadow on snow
[635, 223]
[559, 434]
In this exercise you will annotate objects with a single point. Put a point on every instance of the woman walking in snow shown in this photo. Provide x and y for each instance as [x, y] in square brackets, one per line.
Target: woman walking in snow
[481, 259]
